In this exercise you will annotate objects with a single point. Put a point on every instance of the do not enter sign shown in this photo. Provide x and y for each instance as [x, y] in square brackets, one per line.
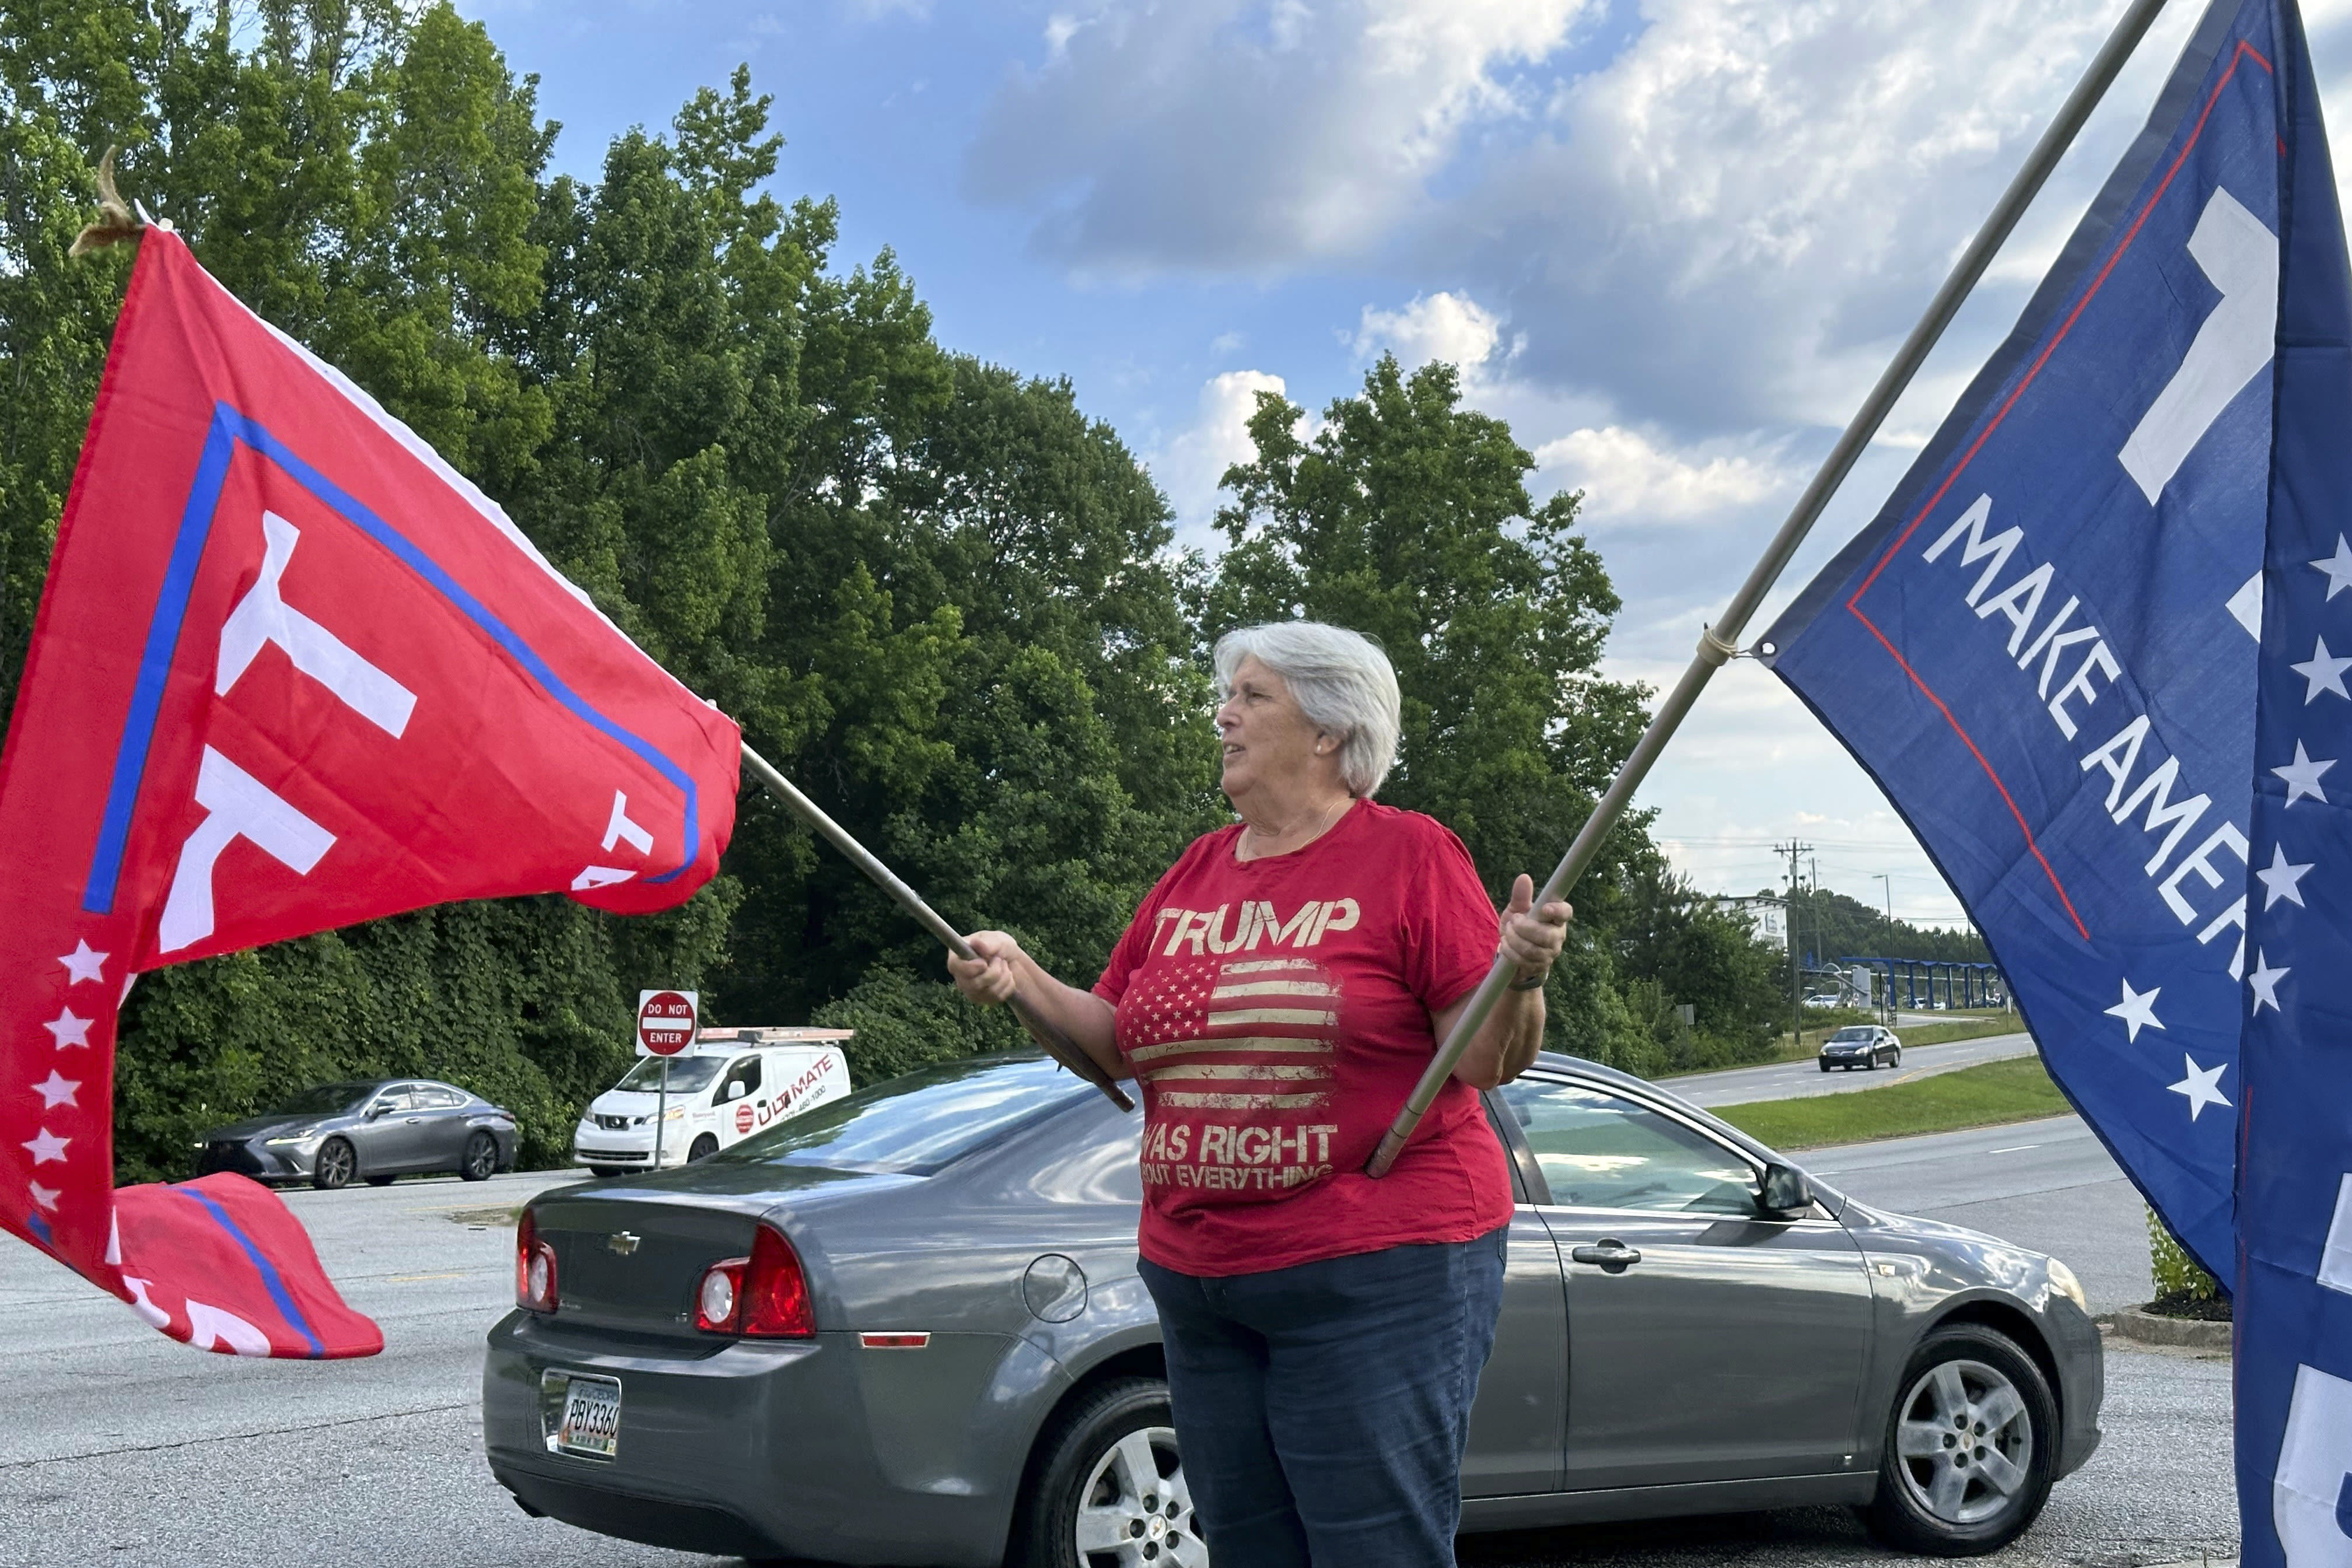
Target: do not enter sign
[667, 1021]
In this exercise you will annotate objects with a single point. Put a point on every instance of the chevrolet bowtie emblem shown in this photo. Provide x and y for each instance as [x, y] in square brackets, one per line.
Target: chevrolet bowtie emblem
[623, 1242]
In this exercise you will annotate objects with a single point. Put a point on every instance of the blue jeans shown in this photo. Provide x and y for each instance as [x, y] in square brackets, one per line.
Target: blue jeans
[1322, 1409]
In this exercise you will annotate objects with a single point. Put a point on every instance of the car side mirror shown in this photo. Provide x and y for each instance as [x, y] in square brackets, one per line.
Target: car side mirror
[736, 1090]
[377, 1109]
[1785, 1193]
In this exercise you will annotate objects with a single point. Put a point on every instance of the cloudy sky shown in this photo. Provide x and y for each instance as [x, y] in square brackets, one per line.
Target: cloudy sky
[1672, 241]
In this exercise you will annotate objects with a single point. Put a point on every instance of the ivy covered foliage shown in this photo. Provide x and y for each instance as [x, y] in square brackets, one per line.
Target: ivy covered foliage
[936, 594]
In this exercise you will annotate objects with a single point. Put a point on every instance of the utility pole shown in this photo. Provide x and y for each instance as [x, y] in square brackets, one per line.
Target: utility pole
[1792, 849]
[1886, 887]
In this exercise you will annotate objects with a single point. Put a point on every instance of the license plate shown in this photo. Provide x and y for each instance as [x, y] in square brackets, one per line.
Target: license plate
[591, 1417]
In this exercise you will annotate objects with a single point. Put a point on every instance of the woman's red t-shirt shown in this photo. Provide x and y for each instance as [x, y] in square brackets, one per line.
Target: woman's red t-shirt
[1275, 1013]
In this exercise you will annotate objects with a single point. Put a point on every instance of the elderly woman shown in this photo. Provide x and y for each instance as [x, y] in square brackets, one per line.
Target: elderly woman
[1276, 997]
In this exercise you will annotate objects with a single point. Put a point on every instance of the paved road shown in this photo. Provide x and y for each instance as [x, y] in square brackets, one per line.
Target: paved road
[123, 1448]
[1798, 1079]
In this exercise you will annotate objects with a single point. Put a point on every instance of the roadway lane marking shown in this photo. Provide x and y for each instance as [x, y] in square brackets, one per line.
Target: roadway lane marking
[462, 1274]
[2014, 1149]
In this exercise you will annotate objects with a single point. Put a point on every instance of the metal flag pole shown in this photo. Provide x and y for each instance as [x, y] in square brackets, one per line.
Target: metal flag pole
[1058, 1045]
[1719, 642]
[661, 1111]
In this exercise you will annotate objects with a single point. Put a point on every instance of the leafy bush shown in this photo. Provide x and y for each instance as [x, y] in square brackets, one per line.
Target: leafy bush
[2183, 1289]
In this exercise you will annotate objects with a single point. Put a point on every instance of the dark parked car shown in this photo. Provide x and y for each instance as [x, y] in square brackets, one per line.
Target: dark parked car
[1866, 1046]
[906, 1328]
[378, 1128]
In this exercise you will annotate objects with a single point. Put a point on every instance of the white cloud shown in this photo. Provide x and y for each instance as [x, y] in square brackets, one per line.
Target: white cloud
[1189, 466]
[1454, 328]
[1734, 221]
[1626, 475]
[1250, 135]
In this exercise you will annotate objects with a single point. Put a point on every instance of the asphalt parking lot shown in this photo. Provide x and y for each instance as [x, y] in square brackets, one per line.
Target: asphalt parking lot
[123, 1448]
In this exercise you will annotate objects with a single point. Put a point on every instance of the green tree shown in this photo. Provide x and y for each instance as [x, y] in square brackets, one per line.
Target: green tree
[1831, 926]
[1671, 935]
[1407, 517]
[934, 592]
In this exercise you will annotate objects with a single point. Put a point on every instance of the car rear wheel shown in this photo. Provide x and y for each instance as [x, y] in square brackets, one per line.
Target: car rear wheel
[1970, 1446]
[337, 1163]
[481, 1162]
[1109, 1491]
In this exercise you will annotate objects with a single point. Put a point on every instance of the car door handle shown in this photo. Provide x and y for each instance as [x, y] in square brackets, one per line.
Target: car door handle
[414, 1119]
[1613, 1255]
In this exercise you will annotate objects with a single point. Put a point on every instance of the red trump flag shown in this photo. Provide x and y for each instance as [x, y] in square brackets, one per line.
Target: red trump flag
[291, 672]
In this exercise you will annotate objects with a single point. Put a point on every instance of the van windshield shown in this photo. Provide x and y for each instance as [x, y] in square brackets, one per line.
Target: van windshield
[916, 1124]
[688, 1074]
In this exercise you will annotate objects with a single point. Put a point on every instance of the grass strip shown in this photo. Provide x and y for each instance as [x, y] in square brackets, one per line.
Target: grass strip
[1983, 1096]
[1959, 1029]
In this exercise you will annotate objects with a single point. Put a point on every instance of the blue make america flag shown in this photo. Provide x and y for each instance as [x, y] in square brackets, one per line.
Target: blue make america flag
[2045, 646]
[2091, 650]
[2294, 1182]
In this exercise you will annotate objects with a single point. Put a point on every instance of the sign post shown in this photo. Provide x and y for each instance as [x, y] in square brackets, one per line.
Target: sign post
[667, 1022]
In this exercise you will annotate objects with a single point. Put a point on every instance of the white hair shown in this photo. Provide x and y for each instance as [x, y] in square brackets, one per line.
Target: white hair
[1343, 682]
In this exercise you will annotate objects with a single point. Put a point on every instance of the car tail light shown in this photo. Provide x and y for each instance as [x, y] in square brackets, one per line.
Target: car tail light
[764, 1296]
[534, 1267]
[719, 1296]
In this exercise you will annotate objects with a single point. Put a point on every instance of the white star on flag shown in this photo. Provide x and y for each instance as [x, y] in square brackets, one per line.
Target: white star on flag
[2301, 776]
[2322, 672]
[2200, 1085]
[2279, 878]
[2138, 1009]
[56, 1091]
[45, 1197]
[82, 964]
[2337, 566]
[2265, 980]
[48, 1145]
[68, 1030]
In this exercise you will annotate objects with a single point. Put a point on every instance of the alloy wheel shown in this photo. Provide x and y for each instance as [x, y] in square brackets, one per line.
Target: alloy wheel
[1136, 1510]
[481, 1158]
[335, 1165]
[1965, 1442]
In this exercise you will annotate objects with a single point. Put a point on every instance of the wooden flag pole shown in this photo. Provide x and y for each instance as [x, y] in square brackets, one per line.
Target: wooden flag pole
[1720, 642]
[1058, 1045]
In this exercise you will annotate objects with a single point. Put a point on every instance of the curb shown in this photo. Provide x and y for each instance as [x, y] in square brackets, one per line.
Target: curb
[2188, 1333]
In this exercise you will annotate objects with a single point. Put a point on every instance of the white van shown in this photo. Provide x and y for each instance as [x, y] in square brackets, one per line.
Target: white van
[730, 1084]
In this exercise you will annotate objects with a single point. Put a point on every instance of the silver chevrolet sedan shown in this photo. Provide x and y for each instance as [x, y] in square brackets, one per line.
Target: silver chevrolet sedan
[906, 1328]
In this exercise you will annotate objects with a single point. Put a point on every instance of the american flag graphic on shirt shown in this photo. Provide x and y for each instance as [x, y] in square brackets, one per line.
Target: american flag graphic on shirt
[1234, 1034]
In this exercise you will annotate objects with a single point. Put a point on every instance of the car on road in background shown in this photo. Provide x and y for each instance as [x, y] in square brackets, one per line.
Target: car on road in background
[730, 1084]
[1824, 999]
[907, 1327]
[372, 1129]
[1862, 1046]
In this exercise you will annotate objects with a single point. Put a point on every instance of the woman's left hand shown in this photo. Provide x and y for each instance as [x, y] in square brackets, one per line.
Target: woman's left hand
[1532, 938]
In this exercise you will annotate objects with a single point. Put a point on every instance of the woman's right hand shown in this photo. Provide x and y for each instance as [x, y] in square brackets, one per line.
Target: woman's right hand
[991, 977]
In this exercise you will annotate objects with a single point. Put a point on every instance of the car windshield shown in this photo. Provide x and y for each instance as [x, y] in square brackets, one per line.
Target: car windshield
[916, 1124]
[688, 1074]
[1852, 1034]
[325, 1100]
